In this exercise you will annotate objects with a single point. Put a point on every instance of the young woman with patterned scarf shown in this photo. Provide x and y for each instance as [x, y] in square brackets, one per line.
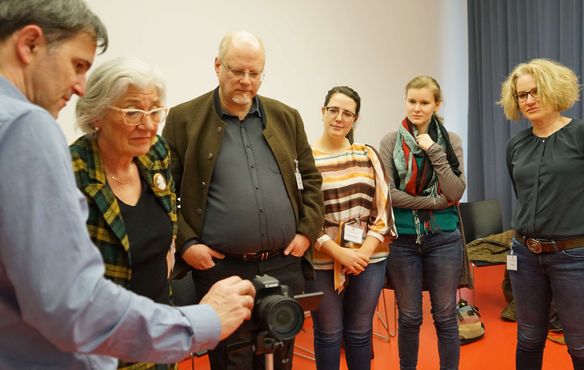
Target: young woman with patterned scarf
[424, 163]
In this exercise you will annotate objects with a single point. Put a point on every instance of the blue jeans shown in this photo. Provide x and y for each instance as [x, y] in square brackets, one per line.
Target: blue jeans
[537, 279]
[347, 316]
[434, 264]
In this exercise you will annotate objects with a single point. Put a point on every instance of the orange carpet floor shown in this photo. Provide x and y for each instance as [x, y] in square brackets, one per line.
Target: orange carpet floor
[496, 351]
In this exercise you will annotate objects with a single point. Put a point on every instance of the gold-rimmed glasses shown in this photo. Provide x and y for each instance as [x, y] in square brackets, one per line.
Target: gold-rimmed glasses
[240, 74]
[345, 114]
[134, 116]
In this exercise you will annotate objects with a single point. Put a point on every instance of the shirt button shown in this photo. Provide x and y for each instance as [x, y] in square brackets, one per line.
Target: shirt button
[210, 156]
[258, 187]
[199, 211]
[203, 184]
[219, 129]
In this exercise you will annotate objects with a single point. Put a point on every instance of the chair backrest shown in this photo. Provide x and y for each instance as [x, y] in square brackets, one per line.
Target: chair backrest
[481, 218]
[183, 290]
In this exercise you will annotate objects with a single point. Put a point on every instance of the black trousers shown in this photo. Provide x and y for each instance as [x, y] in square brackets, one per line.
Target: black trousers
[233, 353]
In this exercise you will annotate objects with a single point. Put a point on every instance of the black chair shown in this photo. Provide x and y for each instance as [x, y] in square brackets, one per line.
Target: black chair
[480, 219]
[184, 294]
[183, 290]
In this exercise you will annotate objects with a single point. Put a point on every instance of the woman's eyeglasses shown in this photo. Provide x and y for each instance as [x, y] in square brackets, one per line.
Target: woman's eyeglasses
[522, 96]
[345, 114]
[134, 117]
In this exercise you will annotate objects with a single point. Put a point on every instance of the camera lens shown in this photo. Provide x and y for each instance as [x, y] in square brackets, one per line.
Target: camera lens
[282, 316]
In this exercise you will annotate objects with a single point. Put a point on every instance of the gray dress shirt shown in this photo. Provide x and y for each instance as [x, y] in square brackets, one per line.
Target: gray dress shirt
[248, 208]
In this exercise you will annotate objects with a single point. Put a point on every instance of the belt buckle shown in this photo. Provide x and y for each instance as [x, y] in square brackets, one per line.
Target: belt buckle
[249, 257]
[259, 256]
[264, 256]
[534, 245]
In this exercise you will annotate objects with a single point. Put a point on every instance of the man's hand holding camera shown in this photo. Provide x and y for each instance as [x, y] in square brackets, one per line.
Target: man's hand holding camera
[232, 298]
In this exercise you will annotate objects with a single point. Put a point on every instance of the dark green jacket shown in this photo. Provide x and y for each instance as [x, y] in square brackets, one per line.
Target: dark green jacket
[105, 223]
[194, 131]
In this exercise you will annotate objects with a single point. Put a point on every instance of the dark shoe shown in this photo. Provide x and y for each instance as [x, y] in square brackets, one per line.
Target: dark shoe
[506, 285]
[508, 313]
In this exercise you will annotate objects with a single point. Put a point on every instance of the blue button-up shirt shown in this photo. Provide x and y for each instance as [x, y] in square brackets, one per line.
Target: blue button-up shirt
[56, 308]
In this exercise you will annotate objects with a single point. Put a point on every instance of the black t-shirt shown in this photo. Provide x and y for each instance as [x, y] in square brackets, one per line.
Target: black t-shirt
[149, 232]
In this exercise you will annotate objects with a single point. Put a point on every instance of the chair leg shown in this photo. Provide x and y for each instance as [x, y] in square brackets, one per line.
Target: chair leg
[301, 351]
[470, 300]
[384, 318]
[472, 269]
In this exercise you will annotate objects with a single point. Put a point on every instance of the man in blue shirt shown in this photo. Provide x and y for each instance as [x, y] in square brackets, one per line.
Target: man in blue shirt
[57, 310]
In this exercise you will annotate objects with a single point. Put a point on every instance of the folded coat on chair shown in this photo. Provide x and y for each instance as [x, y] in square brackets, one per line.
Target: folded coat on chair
[490, 250]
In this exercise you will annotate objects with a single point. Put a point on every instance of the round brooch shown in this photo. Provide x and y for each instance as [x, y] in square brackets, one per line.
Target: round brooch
[159, 181]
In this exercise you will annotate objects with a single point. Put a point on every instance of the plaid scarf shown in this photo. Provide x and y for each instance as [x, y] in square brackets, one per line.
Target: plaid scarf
[420, 179]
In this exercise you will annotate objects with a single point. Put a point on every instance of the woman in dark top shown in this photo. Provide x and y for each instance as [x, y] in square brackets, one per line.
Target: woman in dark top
[546, 165]
[122, 167]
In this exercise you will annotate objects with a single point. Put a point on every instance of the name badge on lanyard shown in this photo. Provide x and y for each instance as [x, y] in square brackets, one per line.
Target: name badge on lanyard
[298, 176]
[512, 261]
[353, 234]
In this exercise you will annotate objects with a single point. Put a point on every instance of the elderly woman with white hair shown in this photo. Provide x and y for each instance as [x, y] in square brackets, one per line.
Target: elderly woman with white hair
[122, 167]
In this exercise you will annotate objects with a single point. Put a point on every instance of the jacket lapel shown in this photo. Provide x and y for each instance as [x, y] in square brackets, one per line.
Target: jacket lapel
[157, 181]
[105, 199]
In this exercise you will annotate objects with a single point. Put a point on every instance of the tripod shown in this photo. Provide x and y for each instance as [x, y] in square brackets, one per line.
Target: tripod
[263, 344]
[266, 345]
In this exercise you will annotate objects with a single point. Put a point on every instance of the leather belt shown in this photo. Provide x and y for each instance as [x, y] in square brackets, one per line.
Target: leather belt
[254, 257]
[537, 245]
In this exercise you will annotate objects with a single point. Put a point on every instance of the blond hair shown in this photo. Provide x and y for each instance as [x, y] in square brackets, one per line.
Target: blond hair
[557, 85]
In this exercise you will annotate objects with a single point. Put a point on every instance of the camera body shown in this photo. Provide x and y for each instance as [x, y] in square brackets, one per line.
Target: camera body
[275, 309]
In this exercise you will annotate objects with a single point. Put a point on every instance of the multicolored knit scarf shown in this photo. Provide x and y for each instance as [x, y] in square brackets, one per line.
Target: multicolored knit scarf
[420, 179]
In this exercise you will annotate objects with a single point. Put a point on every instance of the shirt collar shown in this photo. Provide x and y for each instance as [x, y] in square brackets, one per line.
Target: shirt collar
[223, 113]
[9, 89]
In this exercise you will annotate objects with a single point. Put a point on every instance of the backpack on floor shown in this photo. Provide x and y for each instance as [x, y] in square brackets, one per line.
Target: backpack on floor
[470, 327]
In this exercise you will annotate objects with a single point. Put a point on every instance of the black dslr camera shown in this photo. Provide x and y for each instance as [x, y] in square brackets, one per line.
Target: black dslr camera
[275, 309]
[278, 315]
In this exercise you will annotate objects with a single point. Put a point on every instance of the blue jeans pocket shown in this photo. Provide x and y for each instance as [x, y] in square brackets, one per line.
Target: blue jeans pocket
[574, 252]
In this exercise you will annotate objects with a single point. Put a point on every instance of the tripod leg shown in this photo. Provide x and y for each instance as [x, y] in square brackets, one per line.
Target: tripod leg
[269, 361]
